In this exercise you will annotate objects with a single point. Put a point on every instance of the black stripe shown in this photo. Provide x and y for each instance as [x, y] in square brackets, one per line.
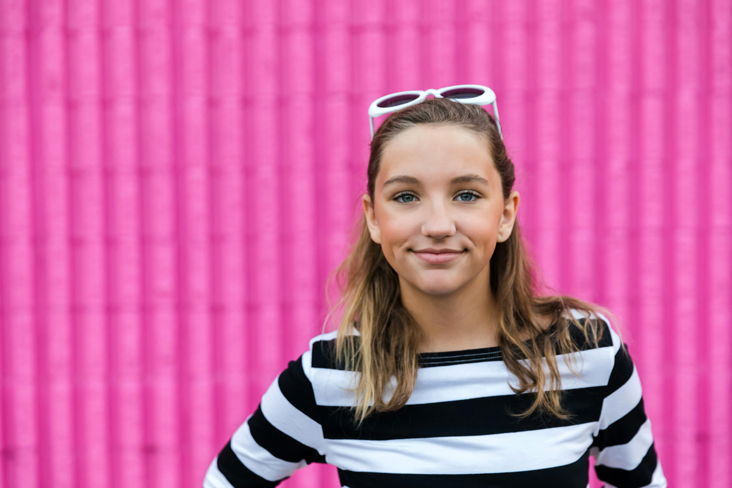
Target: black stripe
[475, 416]
[432, 359]
[578, 337]
[237, 474]
[279, 444]
[622, 430]
[494, 353]
[459, 357]
[621, 373]
[323, 352]
[298, 390]
[574, 475]
[636, 478]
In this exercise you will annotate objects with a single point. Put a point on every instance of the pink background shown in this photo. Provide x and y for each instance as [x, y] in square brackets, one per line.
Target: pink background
[178, 178]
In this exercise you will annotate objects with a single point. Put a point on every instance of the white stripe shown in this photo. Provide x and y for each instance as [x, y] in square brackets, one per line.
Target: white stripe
[333, 387]
[511, 452]
[617, 404]
[258, 459]
[215, 478]
[464, 381]
[628, 456]
[288, 419]
[307, 364]
[658, 480]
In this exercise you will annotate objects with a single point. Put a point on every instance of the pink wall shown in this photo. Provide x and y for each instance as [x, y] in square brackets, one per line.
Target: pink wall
[178, 178]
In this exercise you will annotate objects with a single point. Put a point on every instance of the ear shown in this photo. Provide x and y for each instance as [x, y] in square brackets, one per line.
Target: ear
[508, 218]
[368, 210]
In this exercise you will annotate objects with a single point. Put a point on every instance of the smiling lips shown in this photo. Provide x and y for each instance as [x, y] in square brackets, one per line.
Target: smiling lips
[438, 256]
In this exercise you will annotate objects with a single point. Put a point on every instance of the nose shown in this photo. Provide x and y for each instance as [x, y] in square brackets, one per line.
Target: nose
[438, 222]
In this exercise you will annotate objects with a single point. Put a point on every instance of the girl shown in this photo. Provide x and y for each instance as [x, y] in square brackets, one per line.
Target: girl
[445, 369]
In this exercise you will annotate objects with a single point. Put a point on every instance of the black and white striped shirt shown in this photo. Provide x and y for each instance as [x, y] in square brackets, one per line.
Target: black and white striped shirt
[454, 431]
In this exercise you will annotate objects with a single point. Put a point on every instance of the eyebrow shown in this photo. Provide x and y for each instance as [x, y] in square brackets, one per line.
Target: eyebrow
[458, 179]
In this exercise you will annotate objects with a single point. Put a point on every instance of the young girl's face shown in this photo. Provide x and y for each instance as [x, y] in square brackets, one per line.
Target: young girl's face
[438, 188]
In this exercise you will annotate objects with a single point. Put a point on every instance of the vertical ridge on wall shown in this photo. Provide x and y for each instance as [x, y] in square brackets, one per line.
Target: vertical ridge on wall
[36, 223]
[262, 105]
[440, 46]
[61, 438]
[526, 182]
[512, 78]
[653, 316]
[228, 282]
[406, 58]
[123, 233]
[650, 189]
[160, 259]
[87, 206]
[704, 158]
[298, 283]
[19, 356]
[192, 161]
[581, 191]
[34, 70]
[618, 167]
[718, 183]
[681, 202]
[550, 126]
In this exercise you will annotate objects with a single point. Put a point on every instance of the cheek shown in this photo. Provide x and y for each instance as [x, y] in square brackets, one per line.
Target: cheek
[482, 231]
[394, 234]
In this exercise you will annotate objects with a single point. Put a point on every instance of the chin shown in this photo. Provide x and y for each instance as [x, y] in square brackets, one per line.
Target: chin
[437, 287]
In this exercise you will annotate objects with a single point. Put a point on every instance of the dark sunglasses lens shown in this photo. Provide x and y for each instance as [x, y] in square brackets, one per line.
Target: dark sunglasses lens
[463, 93]
[397, 100]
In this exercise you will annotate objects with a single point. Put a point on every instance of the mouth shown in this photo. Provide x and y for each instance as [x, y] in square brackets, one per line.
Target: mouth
[438, 258]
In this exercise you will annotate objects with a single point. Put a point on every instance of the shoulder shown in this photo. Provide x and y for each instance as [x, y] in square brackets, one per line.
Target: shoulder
[301, 382]
[590, 322]
[321, 352]
[611, 351]
[327, 379]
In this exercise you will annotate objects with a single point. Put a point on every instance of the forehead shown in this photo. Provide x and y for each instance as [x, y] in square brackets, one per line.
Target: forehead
[436, 151]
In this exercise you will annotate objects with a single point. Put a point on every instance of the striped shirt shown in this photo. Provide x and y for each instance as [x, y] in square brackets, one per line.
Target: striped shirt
[455, 429]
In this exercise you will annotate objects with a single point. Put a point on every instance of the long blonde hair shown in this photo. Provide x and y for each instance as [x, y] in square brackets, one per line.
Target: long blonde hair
[384, 343]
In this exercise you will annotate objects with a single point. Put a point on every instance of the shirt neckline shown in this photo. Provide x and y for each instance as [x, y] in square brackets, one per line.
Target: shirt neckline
[468, 355]
[459, 352]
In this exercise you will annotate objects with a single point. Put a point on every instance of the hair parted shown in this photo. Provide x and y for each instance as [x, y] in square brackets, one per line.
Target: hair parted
[383, 346]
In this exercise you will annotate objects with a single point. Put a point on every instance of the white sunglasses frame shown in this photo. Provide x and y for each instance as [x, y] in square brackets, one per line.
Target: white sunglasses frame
[487, 98]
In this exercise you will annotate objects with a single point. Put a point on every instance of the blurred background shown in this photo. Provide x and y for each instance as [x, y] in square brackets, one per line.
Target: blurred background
[178, 178]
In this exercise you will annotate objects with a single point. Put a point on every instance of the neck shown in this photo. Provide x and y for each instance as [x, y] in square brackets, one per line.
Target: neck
[464, 319]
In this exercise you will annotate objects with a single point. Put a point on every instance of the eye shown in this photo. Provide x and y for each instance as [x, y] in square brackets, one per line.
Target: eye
[403, 194]
[469, 193]
[408, 194]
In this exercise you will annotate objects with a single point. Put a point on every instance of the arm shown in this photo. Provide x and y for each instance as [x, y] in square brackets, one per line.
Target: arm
[623, 446]
[281, 436]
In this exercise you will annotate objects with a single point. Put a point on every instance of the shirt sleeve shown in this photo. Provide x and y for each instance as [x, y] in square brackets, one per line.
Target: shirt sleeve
[281, 436]
[623, 445]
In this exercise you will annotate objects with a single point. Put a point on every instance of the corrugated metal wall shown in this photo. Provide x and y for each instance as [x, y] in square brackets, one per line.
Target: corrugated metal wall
[177, 179]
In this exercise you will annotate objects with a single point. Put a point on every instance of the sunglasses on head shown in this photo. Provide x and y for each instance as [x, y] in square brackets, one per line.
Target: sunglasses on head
[473, 94]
